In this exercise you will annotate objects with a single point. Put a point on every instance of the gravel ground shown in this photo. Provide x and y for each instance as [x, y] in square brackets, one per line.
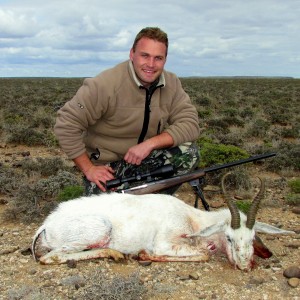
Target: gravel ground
[23, 278]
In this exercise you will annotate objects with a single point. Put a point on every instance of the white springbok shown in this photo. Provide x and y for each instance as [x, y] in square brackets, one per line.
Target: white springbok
[152, 227]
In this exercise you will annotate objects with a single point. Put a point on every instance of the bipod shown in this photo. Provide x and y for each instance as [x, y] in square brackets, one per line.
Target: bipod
[196, 185]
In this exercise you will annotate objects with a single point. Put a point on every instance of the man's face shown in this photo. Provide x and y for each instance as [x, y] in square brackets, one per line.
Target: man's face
[148, 60]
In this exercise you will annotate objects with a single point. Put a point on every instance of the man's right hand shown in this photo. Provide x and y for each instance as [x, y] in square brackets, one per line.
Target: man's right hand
[97, 174]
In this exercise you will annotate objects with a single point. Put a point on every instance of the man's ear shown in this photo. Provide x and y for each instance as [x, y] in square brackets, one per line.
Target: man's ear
[131, 54]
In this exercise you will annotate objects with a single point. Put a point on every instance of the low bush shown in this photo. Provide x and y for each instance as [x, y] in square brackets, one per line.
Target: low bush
[213, 154]
[293, 199]
[243, 205]
[118, 287]
[70, 192]
[34, 200]
[288, 157]
[45, 166]
[295, 185]
[258, 128]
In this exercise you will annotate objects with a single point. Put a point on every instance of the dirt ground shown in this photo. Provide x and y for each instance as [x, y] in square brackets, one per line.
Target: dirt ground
[23, 278]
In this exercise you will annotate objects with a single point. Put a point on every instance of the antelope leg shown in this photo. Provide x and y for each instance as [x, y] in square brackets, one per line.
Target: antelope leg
[59, 257]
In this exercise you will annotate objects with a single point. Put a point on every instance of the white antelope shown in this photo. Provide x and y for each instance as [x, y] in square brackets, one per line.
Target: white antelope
[153, 227]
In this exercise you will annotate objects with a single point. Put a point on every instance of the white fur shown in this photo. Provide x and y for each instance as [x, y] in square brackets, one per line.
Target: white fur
[160, 225]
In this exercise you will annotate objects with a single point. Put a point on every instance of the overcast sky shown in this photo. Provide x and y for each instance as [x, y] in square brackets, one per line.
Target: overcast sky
[81, 38]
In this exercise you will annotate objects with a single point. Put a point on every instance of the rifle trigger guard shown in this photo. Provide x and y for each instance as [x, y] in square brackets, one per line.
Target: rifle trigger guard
[195, 184]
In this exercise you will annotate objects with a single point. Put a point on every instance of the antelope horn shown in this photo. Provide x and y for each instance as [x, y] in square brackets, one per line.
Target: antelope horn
[235, 215]
[255, 205]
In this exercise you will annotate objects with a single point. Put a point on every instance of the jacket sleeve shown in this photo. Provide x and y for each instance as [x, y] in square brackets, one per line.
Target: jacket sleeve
[76, 115]
[183, 119]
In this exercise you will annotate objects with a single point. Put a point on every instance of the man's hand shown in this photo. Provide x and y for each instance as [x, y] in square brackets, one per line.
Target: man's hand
[137, 153]
[99, 175]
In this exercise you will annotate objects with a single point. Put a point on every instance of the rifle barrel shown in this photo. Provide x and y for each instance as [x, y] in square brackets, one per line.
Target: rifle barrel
[159, 185]
[238, 162]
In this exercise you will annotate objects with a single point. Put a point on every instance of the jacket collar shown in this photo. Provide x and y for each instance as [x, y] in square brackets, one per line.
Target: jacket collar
[161, 82]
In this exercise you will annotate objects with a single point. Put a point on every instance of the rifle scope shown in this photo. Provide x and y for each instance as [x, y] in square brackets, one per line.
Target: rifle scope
[166, 170]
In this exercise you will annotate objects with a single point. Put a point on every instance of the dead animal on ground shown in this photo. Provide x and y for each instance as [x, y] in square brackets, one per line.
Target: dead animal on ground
[152, 227]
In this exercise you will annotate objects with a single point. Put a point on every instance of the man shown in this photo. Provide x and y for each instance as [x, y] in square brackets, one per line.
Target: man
[127, 115]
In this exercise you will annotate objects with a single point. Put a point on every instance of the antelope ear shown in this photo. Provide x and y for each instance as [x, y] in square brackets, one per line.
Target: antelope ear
[266, 228]
[208, 231]
[260, 249]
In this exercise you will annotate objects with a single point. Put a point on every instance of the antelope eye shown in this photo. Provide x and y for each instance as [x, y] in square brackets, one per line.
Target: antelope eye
[228, 239]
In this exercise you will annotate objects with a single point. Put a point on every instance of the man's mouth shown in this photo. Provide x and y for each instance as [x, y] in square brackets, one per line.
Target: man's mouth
[149, 71]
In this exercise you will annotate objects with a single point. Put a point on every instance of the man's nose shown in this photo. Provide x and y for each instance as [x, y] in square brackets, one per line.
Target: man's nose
[151, 62]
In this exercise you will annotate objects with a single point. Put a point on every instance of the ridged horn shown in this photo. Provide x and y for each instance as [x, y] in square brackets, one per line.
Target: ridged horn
[255, 205]
[235, 215]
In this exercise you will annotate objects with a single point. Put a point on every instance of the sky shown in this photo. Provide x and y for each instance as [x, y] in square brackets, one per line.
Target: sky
[82, 38]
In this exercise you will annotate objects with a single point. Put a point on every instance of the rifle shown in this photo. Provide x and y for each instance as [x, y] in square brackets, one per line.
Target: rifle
[193, 178]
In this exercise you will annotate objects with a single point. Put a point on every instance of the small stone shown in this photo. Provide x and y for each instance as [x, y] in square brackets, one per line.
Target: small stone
[194, 276]
[256, 280]
[72, 263]
[296, 210]
[32, 271]
[294, 282]
[145, 263]
[291, 272]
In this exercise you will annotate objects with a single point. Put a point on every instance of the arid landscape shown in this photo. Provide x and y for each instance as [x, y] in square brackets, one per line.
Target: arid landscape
[238, 117]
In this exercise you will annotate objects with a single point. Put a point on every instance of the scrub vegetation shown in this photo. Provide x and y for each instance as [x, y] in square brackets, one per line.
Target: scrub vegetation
[239, 117]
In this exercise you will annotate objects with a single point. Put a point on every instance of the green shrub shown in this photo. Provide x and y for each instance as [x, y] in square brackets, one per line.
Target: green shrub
[70, 192]
[51, 186]
[203, 101]
[217, 123]
[213, 154]
[295, 185]
[230, 112]
[34, 200]
[247, 113]
[10, 180]
[258, 128]
[288, 157]
[293, 199]
[204, 114]
[290, 133]
[233, 121]
[243, 205]
[230, 139]
[45, 166]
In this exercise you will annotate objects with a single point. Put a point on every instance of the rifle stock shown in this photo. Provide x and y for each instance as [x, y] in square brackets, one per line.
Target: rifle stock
[159, 185]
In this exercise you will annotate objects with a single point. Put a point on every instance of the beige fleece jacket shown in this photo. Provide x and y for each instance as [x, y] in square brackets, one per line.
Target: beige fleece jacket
[107, 113]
